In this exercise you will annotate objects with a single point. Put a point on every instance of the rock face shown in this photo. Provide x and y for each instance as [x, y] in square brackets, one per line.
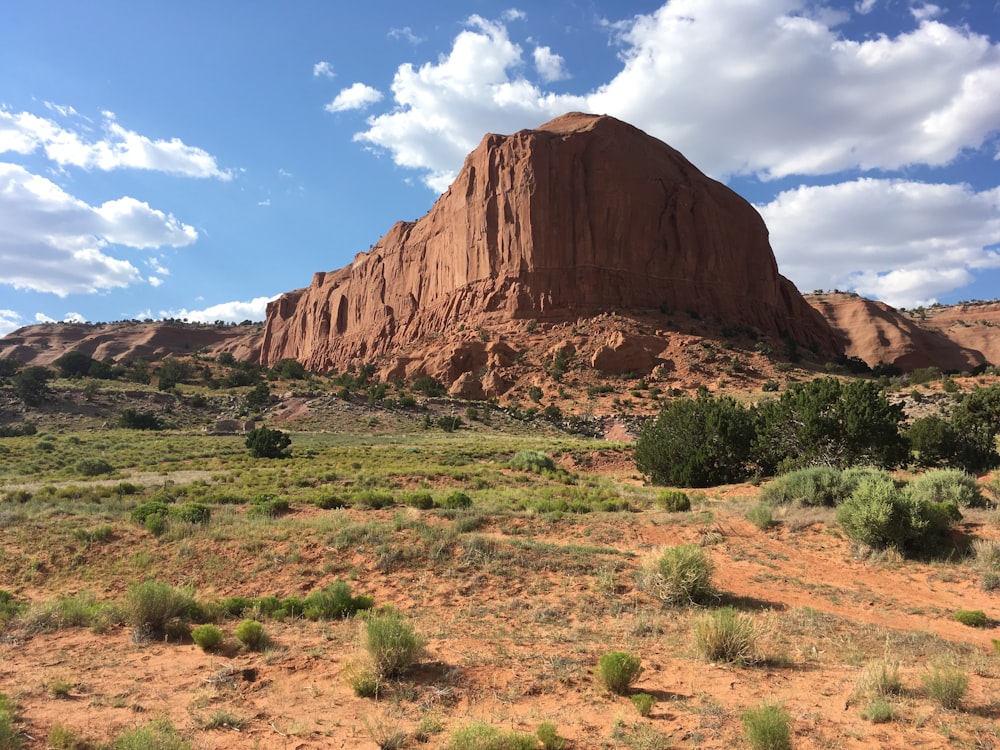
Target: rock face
[583, 215]
[877, 333]
[43, 344]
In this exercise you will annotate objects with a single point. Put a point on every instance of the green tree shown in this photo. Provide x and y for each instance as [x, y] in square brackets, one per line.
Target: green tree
[933, 441]
[289, 369]
[264, 442]
[74, 364]
[829, 422]
[32, 385]
[697, 443]
[976, 422]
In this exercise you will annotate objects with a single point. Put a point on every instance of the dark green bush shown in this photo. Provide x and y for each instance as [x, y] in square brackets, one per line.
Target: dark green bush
[191, 513]
[263, 442]
[133, 419]
[93, 467]
[251, 634]
[151, 606]
[457, 500]
[946, 485]
[267, 506]
[374, 499]
[420, 500]
[141, 513]
[534, 461]
[974, 618]
[673, 501]
[207, 637]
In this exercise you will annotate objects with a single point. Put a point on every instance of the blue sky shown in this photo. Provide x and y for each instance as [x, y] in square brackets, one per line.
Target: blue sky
[195, 159]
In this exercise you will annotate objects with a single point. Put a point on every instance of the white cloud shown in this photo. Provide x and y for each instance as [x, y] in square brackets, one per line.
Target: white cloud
[356, 96]
[865, 7]
[9, 321]
[925, 11]
[444, 108]
[900, 241]
[550, 66]
[513, 14]
[768, 87]
[154, 281]
[53, 242]
[74, 317]
[264, 203]
[43, 318]
[24, 133]
[323, 69]
[407, 34]
[231, 312]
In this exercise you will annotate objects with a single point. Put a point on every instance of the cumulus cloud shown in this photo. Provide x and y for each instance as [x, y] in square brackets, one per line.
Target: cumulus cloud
[52, 242]
[356, 96]
[768, 88]
[900, 241]
[120, 148]
[231, 312]
[444, 108]
[323, 69]
[9, 321]
[550, 66]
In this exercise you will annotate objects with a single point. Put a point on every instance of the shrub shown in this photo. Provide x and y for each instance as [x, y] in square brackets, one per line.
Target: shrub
[362, 679]
[334, 603]
[392, 644]
[946, 485]
[94, 467]
[141, 513]
[768, 727]
[727, 636]
[374, 499]
[484, 737]
[132, 419]
[548, 734]
[191, 513]
[617, 670]
[10, 739]
[449, 423]
[151, 606]
[673, 501]
[761, 516]
[643, 703]
[697, 443]
[813, 486]
[457, 500]
[264, 442]
[267, 506]
[879, 515]
[420, 500]
[679, 575]
[946, 685]
[251, 634]
[9, 607]
[974, 618]
[878, 711]
[879, 679]
[156, 525]
[534, 461]
[207, 637]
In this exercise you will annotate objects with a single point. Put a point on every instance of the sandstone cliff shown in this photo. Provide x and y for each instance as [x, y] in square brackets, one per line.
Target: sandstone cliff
[583, 215]
[877, 333]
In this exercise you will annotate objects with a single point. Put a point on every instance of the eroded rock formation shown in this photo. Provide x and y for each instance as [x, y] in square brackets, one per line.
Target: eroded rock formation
[583, 215]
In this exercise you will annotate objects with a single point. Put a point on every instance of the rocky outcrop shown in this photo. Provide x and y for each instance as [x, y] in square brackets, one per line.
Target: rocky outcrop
[583, 215]
[130, 340]
[879, 334]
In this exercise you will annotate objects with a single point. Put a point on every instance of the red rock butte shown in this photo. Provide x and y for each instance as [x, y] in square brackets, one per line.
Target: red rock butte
[581, 216]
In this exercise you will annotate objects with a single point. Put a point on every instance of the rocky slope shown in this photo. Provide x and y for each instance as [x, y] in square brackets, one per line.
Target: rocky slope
[129, 340]
[877, 333]
[582, 216]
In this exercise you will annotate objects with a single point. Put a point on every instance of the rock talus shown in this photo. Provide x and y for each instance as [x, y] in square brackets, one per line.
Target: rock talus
[582, 215]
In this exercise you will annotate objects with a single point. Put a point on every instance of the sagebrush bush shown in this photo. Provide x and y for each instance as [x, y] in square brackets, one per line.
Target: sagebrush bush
[392, 644]
[251, 634]
[946, 485]
[727, 636]
[643, 703]
[93, 467]
[768, 727]
[548, 734]
[191, 513]
[207, 637]
[678, 575]
[484, 737]
[673, 501]
[617, 670]
[457, 500]
[761, 516]
[534, 461]
[335, 602]
[878, 711]
[813, 486]
[159, 735]
[362, 679]
[946, 685]
[150, 606]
